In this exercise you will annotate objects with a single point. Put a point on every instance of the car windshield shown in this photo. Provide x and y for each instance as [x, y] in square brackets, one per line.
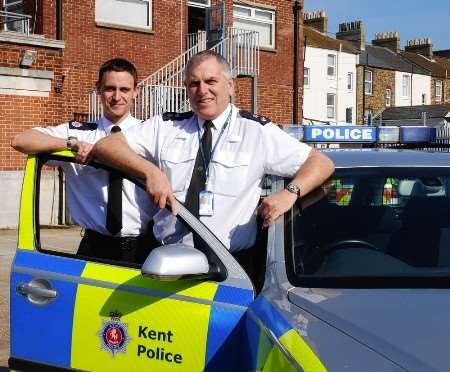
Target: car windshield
[372, 223]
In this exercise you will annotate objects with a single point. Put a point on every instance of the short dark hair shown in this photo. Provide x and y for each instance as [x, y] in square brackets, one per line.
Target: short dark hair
[205, 54]
[118, 65]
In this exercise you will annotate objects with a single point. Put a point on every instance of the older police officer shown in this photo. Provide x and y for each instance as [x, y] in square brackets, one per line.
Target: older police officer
[215, 157]
[114, 214]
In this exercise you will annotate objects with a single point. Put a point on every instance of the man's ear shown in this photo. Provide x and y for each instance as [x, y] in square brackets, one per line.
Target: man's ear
[230, 86]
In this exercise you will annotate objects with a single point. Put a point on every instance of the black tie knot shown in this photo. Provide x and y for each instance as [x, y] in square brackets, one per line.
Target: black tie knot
[115, 129]
[208, 124]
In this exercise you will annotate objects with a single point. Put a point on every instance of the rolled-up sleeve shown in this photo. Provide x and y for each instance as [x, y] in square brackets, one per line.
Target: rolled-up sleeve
[284, 154]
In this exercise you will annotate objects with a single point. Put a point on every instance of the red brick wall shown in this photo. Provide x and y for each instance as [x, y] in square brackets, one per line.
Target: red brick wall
[88, 45]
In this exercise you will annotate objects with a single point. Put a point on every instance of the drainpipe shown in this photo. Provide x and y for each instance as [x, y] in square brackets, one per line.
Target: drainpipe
[59, 19]
[297, 9]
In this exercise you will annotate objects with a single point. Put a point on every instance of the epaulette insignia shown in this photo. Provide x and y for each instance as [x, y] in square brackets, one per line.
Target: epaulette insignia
[250, 116]
[177, 116]
[73, 124]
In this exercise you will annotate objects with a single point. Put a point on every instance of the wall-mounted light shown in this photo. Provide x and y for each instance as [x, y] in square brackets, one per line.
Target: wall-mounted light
[59, 85]
[28, 57]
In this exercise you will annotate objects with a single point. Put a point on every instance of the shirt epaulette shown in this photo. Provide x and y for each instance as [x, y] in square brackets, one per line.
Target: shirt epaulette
[177, 116]
[73, 124]
[259, 118]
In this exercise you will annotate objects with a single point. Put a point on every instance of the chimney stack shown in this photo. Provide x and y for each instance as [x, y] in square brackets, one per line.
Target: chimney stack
[390, 40]
[421, 46]
[352, 32]
[317, 20]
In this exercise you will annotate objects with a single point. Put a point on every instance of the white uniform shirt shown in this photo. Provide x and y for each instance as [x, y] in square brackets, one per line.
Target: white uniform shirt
[88, 186]
[246, 151]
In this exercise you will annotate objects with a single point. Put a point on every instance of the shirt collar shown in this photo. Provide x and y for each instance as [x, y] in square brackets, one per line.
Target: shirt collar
[219, 121]
[124, 124]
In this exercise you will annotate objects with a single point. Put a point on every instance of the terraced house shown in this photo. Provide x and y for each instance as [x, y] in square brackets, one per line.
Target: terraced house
[50, 52]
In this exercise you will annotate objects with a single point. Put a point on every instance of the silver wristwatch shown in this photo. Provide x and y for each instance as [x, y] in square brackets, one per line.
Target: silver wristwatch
[71, 141]
[292, 187]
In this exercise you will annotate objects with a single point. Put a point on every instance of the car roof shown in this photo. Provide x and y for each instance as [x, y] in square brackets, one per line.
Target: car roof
[357, 158]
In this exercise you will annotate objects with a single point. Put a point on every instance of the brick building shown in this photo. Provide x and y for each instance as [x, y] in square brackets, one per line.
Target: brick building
[49, 58]
[420, 52]
[384, 77]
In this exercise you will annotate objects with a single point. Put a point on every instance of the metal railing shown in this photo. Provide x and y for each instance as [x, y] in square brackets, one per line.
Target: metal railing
[196, 38]
[164, 90]
[15, 22]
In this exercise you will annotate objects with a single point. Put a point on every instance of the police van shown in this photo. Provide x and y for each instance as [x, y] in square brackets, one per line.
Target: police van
[356, 277]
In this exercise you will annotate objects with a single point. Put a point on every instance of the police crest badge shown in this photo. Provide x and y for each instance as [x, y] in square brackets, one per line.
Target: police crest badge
[114, 334]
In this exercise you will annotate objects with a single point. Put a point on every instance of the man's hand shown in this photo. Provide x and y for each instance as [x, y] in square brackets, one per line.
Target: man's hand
[160, 191]
[83, 150]
[275, 205]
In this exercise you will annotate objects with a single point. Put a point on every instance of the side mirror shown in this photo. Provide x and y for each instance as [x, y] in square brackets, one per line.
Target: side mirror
[174, 262]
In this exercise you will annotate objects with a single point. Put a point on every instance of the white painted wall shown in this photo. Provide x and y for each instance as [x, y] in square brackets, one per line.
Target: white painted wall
[421, 84]
[315, 95]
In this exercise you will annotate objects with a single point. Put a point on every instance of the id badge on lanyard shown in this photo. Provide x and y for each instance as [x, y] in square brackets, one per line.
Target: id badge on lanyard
[206, 197]
[206, 203]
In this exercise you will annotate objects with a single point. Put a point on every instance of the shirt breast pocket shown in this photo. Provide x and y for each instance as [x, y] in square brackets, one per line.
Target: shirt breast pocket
[229, 173]
[178, 165]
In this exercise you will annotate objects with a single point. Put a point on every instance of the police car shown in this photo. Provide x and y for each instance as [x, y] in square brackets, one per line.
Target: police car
[356, 279]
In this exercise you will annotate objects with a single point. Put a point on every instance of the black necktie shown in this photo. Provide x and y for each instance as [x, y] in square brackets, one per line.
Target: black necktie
[198, 178]
[114, 207]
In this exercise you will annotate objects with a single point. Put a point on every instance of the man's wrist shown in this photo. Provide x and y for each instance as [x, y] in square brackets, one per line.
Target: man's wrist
[293, 188]
[71, 142]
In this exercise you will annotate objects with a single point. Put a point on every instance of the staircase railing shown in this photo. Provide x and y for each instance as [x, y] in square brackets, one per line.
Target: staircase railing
[164, 90]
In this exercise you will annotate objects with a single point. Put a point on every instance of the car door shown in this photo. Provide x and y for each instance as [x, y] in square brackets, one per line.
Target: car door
[75, 312]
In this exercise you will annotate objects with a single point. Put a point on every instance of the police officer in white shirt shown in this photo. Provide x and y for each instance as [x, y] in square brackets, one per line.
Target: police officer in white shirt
[225, 166]
[116, 228]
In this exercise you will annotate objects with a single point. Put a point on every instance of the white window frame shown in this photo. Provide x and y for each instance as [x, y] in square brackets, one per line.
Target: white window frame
[254, 19]
[388, 98]
[199, 4]
[406, 85]
[368, 82]
[306, 77]
[350, 81]
[367, 112]
[103, 20]
[331, 108]
[331, 66]
[439, 90]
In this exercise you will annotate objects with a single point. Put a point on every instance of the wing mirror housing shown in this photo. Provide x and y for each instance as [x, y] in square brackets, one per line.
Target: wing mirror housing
[176, 261]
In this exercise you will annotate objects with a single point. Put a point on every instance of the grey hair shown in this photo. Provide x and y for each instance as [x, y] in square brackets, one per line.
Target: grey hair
[201, 56]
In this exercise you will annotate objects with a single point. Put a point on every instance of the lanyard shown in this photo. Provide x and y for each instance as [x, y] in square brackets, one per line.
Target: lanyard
[214, 147]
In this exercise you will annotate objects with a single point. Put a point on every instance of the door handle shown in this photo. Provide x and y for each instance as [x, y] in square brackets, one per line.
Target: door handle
[38, 291]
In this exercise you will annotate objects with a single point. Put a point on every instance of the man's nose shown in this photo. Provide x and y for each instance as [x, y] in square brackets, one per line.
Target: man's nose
[202, 88]
[116, 95]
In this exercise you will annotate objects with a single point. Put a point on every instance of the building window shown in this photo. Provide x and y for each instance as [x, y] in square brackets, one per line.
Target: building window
[331, 105]
[350, 81]
[306, 77]
[438, 90]
[388, 98]
[200, 3]
[10, 23]
[424, 98]
[331, 68]
[349, 115]
[255, 19]
[368, 116]
[406, 85]
[368, 82]
[128, 13]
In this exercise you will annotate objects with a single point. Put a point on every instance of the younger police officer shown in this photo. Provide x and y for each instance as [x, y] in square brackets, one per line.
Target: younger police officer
[115, 228]
[218, 152]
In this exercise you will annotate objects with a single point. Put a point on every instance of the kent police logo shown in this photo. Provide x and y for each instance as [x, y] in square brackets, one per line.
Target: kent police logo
[114, 334]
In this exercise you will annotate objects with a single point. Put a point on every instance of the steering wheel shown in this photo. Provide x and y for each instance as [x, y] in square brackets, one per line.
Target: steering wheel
[348, 243]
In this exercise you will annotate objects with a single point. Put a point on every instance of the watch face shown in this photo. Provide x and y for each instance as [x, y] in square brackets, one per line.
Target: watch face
[293, 188]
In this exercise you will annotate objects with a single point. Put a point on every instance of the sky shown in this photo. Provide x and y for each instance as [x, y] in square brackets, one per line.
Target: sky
[411, 18]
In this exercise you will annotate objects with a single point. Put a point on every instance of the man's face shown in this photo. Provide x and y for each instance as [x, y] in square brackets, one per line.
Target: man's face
[117, 92]
[208, 89]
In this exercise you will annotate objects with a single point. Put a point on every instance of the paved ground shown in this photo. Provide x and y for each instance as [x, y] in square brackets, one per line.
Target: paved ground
[65, 239]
